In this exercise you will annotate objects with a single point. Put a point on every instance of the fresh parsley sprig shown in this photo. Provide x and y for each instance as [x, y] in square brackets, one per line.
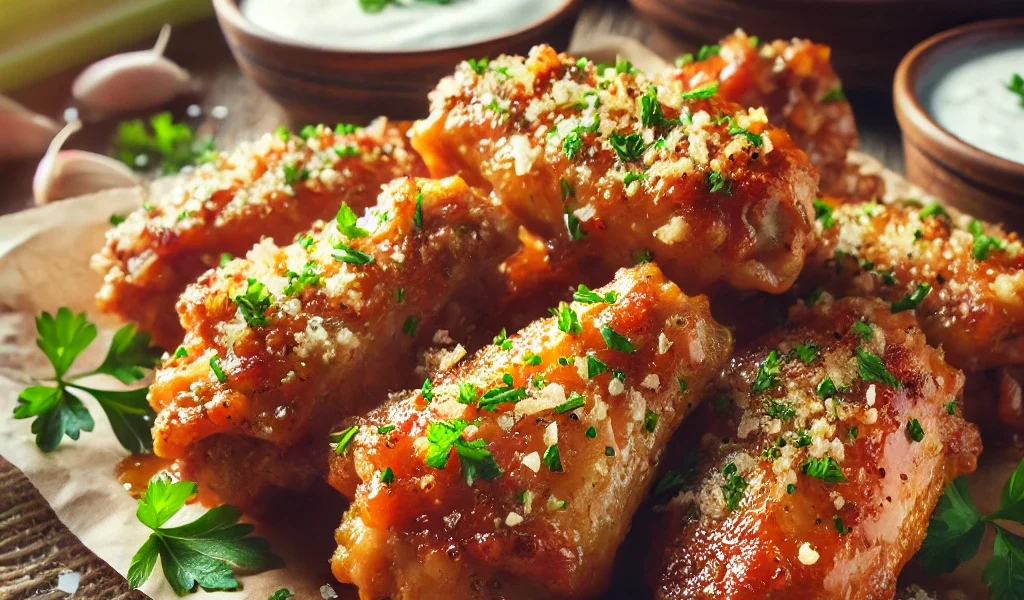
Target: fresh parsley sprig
[165, 144]
[56, 403]
[204, 552]
[956, 530]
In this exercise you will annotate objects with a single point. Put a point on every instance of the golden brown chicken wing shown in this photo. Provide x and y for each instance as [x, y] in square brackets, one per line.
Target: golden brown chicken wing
[608, 166]
[284, 343]
[965, 278]
[275, 187]
[823, 455]
[794, 82]
[516, 473]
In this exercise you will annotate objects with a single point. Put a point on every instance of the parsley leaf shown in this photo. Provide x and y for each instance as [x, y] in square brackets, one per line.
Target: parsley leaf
[767, 373]
[871, 368]
[719, 183]
[343, 438]
[568, 320]
[346, 220]
[651, 114]
[913, 299]
[735, 486]
[57, 412]
[983, 243]
[417, 215]
[574, 401]
[914, 430]
[833, 95]
[501, 340]
[863, 330]
[553, 459]
[823, 213]
[281, 594]
[350, 255]
[62, 338]
[475, 459]
[954, 532]
[204, 552]
[1016, 86]
[825, 469]
[702, 93]
[627, 147]
[585, 295]
[707, 52]
[572, 225]
[616, 341]
[806, 353]
[501, 395]
[165, 144]
[254, 303]
[595, 366]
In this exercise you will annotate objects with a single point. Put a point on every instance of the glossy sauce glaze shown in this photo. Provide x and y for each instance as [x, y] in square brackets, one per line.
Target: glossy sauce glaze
[410, 25]
[967, 93]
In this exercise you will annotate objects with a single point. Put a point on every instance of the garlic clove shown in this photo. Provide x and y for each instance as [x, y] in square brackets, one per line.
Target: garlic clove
[67, 173]
[131, 80]
[26, 133]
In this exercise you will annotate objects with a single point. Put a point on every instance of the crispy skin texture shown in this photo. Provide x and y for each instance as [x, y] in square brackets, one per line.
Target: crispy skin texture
[793, 80]
[496, 130]
[975, 310]
[230, 204]
[705, 550]
[430, 535]
[322, 353]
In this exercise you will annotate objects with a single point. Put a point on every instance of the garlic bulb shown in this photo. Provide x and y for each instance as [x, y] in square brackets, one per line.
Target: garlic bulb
[66, 173]
[131, 81]
[25, 133]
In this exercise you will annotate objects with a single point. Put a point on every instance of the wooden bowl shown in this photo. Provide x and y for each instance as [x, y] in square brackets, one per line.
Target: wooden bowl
[980, 183]
[868, 37]
[320, 84]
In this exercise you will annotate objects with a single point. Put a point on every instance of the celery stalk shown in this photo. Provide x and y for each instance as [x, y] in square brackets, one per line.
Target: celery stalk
[35, 42]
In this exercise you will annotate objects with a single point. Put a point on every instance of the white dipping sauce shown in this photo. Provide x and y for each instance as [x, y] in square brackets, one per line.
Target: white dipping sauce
[965, 92]
[413, 26]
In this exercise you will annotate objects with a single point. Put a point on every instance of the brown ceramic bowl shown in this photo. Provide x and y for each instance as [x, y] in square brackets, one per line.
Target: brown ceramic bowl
[981, 184]
[320, 84]
[868, 37]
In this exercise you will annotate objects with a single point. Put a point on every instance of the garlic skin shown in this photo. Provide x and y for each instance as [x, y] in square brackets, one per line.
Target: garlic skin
[67, 173]
[25, 133]
[131, 81]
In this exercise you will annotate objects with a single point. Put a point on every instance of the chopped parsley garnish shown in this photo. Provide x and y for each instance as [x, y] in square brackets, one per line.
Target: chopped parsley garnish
[914, 429]
[347, 151]
[862, 329]
[833, 95]
[467, 393]
[984, 244]
[218, 372]
[734, 129]
[385, 429]
[427, 389]
[346, 220]
[572, 226]
[58, 412]
[735, 486]
[825, 469]
[553, 459]
[643, 256]
[871, 368]
[702, 93]
[501, 340]
[400, 295]
[627, 147]
[496, 107]
[719, 183]
[387, 476]
[309, 277]
[708, 51]
[281, 594]
[254, 303]
[591, 432]
[806, 353]
[823, 213]
[1016, 86]
[502, 394]
[585, 295]
[595, 366]
[305, 240]
[410, 325]
[282, 133]
[651, 114]
[417, 215]
[572, 143]
[778, 410]
[767, 373]
[650, 421]
[165, 144]
[568, 320]
[616, 341]
[840, 527]
[204, 552]
[573, 402]
[951, 407]
[343, 438]
[802, 440]
[531, 359]
[913, 299]
[567, 191]
[791, 488]
[225, 258]
[348, 254]
[475, 459]
[346, 128]
[479, 65]
[293, 174]
[684, 59]
[307, 132]
[853, 432]
[932, 210]
[814, 296]
[116, 219]
[632, 176]
[181, 352]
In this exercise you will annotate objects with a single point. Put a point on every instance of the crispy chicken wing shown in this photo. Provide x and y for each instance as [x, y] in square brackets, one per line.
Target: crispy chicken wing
[275, 187]
[793, 80]
[607, 166]
[283, 344]
[516, 473]
[824, 453]
[966, 278]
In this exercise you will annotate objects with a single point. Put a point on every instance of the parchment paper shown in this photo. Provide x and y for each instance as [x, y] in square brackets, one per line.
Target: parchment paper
[44, 264]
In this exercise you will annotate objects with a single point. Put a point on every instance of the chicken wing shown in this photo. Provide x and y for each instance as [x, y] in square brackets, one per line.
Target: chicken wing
[605, 165]
[793, 80]
[283, 344]
[824, 453]
[964, 277]
[516, 473]
[275, 187]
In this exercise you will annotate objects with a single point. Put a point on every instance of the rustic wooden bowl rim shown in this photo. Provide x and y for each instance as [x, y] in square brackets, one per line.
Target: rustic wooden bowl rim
[229, 11]
[919, 125]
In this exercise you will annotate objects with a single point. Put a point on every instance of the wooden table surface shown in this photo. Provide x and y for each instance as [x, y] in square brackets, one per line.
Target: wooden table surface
[34, 546]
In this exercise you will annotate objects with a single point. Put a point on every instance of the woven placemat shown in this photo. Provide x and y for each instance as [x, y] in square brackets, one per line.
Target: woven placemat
[35, 547]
